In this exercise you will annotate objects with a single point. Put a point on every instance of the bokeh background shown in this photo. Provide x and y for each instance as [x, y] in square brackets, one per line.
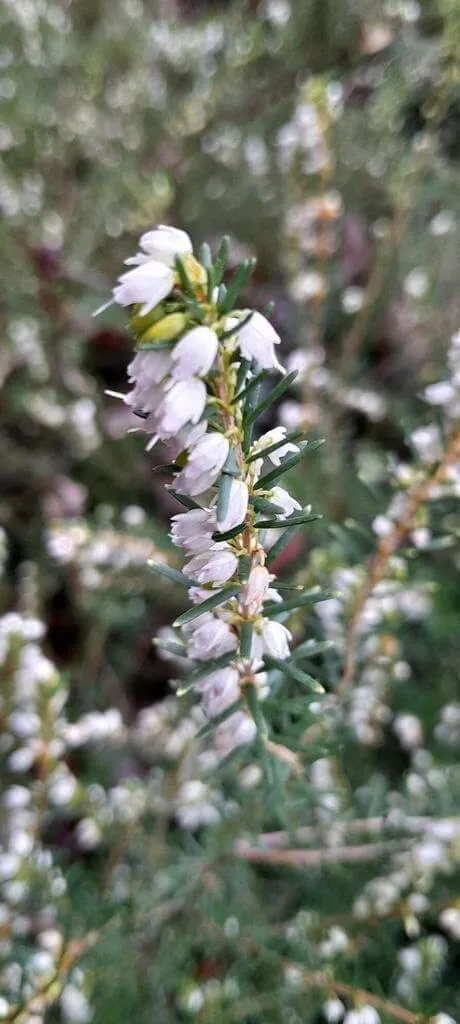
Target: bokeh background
[323, 138]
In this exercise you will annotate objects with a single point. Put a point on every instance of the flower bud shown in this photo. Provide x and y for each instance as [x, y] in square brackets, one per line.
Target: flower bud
[195, 272]
[166, 329]
[140, 323]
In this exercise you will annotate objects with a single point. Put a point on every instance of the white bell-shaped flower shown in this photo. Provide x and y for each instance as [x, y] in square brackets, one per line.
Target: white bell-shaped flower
[146, 285]
[195, 353]
[274, 437]
[219, 691]
[204, 464]
[237, 506]
[280, 496]
[193, 529]
[216, 565]
[149, 367]
[209, 637]
[235, 731]
[276, 639]
[183, 403]
[162, 244]
[254, 592]
[257, 339]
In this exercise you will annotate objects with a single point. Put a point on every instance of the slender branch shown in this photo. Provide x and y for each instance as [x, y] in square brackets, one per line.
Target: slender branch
[377, 565]
[47, 992]
[320, 979]
[323, 980]
[284, 754]
[315, 858]
[308, 833]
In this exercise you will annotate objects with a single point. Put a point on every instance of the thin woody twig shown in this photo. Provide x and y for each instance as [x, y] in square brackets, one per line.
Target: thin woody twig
[289, 757]
[323, 980]
[308, 833]
[314, 858]
[47, 993]
[320, 979]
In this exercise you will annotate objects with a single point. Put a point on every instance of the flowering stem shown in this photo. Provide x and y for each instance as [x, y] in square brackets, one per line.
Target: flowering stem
[196, 385]
[387, 546]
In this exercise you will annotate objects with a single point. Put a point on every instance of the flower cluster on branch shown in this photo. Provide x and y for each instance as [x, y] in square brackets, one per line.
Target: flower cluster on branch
[197, 379]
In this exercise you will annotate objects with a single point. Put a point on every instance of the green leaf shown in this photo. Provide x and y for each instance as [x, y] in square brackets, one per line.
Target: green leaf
[212, 665]
[174, 575]
[248, 422]
[171, 646]
[229, 534]
[294, 435]
[289, 586]
[295, 673]
[230, 465]
[255, 709]
[241, 396]
[185, 283]
[154, 346]
[223, 496]
[264, 482]
[221, 293]
[184, 499]
[205, 256]
[166, 467]
[242, 372]
[237, 282]
[311, 596]
[205, 606]
[273, 396]
[280, 544]
[208, 729]
[262, 505]
[244, 567]
[221, 260]
[246, 640]
[276, 524]
[310, 648]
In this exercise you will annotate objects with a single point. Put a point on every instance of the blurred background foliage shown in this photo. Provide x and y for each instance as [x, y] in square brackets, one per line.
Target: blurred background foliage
[116, 116]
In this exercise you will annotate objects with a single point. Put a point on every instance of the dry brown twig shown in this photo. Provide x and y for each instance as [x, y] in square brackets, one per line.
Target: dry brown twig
[315, 858]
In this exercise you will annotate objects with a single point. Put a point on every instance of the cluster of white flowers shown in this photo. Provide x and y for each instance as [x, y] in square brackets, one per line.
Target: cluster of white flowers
[380, 662]
[303, 139]
[99, 555]
[35, 739]
[164, 733]
[429, 854]
[195, 357]
[419, 965]
[32, 884]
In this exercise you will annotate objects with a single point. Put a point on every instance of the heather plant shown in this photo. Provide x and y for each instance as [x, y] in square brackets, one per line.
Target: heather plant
[228, 737]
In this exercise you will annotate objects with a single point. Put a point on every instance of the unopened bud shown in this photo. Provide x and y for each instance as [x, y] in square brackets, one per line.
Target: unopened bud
[166, 329]
[140, 323]
[195, 272]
